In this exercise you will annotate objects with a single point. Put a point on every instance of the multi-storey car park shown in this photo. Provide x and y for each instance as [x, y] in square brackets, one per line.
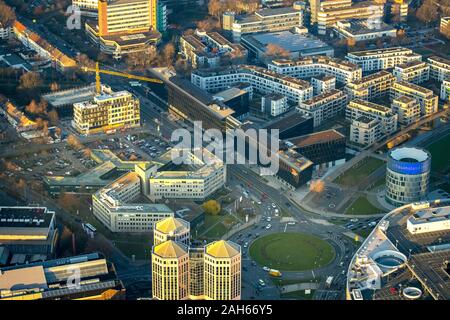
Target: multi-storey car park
[425, 97]
[370, 87]
[414, 71]
[324, 106]
[405, 257]
[308, 67]
[380, 59]
[261, 79]
[439, 68]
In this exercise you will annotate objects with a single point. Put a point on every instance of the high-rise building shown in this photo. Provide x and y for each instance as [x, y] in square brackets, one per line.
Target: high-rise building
[125, 26]
[107, 111]
[181, 271]
[170, 271]
[175, 229]
[222, 271]
[408, 175]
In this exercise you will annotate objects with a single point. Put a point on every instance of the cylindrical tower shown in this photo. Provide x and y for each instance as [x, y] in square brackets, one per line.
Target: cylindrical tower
[408, 174]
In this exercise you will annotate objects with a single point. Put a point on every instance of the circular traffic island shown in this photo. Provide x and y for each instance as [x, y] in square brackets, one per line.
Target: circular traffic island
[291, 251]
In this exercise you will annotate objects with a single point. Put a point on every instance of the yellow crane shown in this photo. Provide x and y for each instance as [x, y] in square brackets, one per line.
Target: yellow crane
[97, 71]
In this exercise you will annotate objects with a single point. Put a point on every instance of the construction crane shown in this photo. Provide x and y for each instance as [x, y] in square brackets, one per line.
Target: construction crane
[97, 71]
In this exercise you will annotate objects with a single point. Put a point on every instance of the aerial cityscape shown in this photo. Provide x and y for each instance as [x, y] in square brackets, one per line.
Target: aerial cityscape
[225, 150]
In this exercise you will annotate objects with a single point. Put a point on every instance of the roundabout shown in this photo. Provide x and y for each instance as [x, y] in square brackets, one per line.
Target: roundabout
[292, 251]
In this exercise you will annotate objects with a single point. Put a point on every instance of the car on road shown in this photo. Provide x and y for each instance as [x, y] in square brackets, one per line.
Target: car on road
[266, 268]
[246, 245]
[354, 220]
[261, 283]
[291, 223]
[268, 226]
[269, 219]
[372, 224]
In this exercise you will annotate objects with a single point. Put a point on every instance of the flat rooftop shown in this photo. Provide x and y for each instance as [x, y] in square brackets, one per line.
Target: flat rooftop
[292, 42]
[287, 121]
[430, 215]
[317, 137]
[359, 102]
[24, 217]
[393, 50]
[71, 96]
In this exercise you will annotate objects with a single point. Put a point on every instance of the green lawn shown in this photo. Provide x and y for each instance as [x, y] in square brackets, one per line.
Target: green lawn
[218, 225]
[141, 250]
[291, 251]
[440, 161]
[360, 171]
[362, 206]
[378, 183]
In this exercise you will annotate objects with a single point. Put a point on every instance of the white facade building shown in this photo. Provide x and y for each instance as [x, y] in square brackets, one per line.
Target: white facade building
[308, 67]
[380, 59]
[429, 220]
[414, 72]
[439, 68]
[365, 131]
[445, 90]
[323, 106]
[425, 97]
[407, 109]
[261, 79]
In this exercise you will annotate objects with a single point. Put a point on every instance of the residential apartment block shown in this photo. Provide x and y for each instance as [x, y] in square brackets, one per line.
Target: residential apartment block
[439, 68]
[261, 79]
[324, 106]
[425, 97]
[384, 115]
[371, 86]
[107, 111]
[206, 49]
[444, 27]
[407, 109]
[365, 131]
[445, 90]
[308, 67]
[414, 72]
[381, 59]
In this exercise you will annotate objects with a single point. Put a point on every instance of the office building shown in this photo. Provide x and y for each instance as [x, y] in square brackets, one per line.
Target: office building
[222, 271]
[381, 59]
[357, 108]
[181, 272]
[193, 174]
[324, 148]
[170, 271]
[444, 27]
[171, 228]
[54, 280]
[414, 72]
[407, 176]
[429, 220]
[187, 101]
[323, 84]
[370, 87]
[445, 90]
[208, 49]
[237, 98]
[28, 230]
[363, 30]
[439, 68]
[107, 111]
[323, 107]
[407, 109]
[116, 206]
[425, 97]
[263, 20]
[124, 26]
[261, 79]
[365, 130]
[295, 170]
[297, 44]
[292, 124]
[325, 14]
[87, 8]
[308, 67]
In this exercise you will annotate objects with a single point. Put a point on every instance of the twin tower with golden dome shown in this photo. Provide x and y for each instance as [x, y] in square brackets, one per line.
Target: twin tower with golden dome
[181, 271]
